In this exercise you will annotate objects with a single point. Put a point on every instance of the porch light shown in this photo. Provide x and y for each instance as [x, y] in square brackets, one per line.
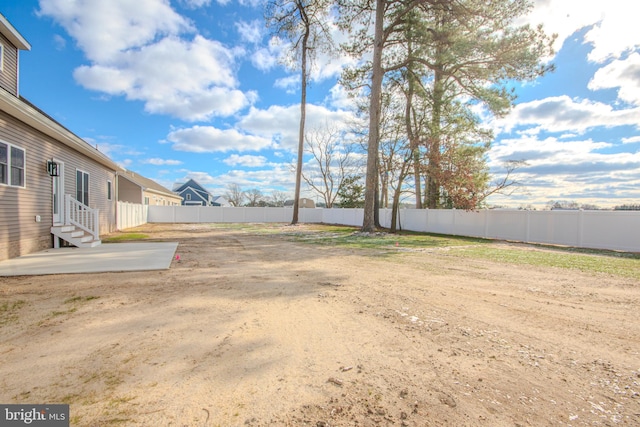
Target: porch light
[52, 168]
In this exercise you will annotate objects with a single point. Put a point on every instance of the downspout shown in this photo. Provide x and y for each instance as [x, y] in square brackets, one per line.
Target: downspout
[116, 192]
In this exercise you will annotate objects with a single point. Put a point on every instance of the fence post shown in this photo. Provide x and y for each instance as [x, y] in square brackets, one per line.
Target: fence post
[486, 223]
[453, 221]
[580, 227]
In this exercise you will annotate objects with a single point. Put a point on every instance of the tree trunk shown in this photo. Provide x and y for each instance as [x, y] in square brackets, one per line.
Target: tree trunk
[434, 146]
[384, 190]
[303, 111]
[369, 221]
[413, 136]
[395, 207]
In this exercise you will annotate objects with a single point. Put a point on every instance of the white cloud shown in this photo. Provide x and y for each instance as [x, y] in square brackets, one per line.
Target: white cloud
[568, 170]
[59, 42]
[250, 32]
[289, 83]
[277, 177]
[615, 34]
[613, 24]
[266, 58]
[189, 80]
[282, 123]
[563, 114]
[631, 140]
[623, 74]
[323, 64]
[103, 29]
[138, 53]
[248, 3]
[105, 147]
[194, 4]
[207, 139]
[247, 161]
[339, 98]
[550, 151]
[161, 162]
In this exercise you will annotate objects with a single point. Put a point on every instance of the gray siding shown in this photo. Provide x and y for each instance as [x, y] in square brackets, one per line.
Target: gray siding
[9, 73]
[129, 192]
[19, 232]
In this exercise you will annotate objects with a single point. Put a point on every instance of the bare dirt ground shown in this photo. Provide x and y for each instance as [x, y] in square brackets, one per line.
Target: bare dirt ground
[251, 330]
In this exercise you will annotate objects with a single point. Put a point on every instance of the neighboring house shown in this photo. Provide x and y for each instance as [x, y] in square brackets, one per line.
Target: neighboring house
[135, 188]
[220, 201]
[193, 194]
[304, 203]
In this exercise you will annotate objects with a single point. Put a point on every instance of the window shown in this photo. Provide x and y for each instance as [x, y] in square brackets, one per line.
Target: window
[108, 190]
[4, 163]
[82, 187]
[12, 165]
[188, 196]
[146, 200]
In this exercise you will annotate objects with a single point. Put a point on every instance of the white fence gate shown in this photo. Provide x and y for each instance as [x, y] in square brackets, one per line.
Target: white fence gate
[615, 230]
[131, 215]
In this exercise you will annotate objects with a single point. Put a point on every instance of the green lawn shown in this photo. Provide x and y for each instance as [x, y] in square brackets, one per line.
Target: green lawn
[587, 260]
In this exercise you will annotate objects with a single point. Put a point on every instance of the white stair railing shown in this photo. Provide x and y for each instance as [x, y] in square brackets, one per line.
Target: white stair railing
[81, 216]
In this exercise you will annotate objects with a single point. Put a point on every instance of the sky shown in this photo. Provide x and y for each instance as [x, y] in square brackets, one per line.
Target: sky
[194, 89]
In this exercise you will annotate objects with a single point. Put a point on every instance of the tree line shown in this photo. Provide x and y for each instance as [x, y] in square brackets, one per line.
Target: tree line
[427, 73]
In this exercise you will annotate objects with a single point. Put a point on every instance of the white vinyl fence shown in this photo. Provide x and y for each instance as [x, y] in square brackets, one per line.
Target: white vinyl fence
[615, 230]
[131, 215]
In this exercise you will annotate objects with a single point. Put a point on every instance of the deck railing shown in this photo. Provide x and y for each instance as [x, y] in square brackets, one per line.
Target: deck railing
[81, 216]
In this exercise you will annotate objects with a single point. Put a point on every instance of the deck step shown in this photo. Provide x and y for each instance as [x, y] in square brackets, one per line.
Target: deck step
[73, 236]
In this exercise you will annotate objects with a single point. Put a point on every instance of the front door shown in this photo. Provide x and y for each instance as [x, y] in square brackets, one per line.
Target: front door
[58, 195]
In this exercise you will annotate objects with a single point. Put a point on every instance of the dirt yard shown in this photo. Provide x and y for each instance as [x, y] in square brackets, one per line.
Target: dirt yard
[255, 330]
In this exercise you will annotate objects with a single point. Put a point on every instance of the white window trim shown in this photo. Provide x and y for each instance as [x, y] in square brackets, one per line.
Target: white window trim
[24, 167]
[109, 190]
[1, 57]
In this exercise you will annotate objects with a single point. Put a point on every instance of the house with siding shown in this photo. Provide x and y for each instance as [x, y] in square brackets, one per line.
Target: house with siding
[55, 188]
[193, 194]
[135, 188]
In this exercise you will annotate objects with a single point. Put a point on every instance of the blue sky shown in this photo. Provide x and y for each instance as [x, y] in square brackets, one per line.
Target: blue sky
[193, 89]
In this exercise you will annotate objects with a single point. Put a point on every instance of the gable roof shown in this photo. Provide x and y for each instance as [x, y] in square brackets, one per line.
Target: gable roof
[24, 111]
[193, 185]
[31, 115]
[12, 34]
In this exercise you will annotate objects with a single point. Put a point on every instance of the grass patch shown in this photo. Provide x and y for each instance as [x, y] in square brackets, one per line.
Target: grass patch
[123, 237]
[351, 237]
[8, 311]
[586, 260]
[79, 299]
[73, 302]
[619, 264]
[62, 313]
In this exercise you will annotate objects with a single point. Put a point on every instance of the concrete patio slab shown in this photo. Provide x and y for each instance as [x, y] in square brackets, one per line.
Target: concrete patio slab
[108, 257]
